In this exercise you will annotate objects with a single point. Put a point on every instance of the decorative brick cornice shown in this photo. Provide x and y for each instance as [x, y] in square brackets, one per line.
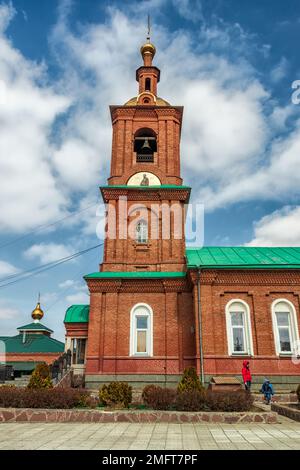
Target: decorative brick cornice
[247, 277]
[139, 285]
[154, 112]
[151, 194]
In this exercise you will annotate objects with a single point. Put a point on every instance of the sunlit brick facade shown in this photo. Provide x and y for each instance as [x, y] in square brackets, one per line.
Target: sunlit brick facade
[155, 310]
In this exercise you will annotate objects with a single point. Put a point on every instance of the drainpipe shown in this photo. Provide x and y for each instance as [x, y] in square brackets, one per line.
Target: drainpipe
[200, 329]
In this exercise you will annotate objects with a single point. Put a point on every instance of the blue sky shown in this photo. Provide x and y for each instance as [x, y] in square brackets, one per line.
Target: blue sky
[231, 64]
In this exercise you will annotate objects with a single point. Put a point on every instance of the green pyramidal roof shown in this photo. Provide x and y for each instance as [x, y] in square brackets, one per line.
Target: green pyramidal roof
[34, 343]
[34, 327]
[243, 257]
[77, 314]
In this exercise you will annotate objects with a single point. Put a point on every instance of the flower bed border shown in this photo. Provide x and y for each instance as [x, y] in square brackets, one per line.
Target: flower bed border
[13, 415]
[285, 410]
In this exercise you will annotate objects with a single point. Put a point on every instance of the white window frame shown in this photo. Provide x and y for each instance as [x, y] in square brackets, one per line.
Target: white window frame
[247, 328]
[293, 324]
[133, 330]
[139, 236]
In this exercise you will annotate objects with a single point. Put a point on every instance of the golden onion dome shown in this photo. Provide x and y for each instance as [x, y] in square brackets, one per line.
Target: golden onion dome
[148, 47]
[37, 313]
[159, 102]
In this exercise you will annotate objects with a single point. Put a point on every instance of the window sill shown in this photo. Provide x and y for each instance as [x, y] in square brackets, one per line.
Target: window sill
[142, 246]
[240, 355]
[141, 356]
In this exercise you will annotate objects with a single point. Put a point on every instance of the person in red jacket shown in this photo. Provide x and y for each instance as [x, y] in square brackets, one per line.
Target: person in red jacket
[246, 375]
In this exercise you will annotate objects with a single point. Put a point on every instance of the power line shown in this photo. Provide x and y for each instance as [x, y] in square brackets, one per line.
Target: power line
[63, 293]
[45, 226]
[40, 269]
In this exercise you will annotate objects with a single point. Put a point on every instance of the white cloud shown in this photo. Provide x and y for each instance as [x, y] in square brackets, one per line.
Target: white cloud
[7, 268]
[189, 9]
[7, 312]
[28, 108]
[280, 70]
[228, 149]
[78, 298]
[281, 228]
[48, 252]
[66, 284]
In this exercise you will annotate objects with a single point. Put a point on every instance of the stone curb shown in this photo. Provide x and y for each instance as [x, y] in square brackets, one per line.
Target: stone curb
[285, 410]
[13, 415]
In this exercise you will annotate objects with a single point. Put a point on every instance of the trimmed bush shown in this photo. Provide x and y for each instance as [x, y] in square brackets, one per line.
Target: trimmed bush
[298, 393]
[40, 377]
[159, 398]
[229, 401]
[192, 400]
[189, 381]
[45, 398]
[116, 395]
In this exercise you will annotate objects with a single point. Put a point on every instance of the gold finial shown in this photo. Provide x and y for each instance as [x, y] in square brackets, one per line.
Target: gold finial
[37, 313]
[148, 48]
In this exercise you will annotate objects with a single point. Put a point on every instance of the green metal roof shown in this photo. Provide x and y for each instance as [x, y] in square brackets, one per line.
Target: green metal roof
[77, 314]
[144, 188]
[23, 365]
[34, 343]
[34, 327]
[244, 257]
[135, 275]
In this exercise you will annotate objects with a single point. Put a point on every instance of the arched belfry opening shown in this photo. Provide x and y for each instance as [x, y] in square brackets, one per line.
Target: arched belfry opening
[145, 145]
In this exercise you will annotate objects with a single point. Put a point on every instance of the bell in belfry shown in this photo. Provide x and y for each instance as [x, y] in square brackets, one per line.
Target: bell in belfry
[146, 144]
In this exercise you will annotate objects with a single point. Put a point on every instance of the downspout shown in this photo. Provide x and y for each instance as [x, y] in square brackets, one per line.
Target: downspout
[200, 328]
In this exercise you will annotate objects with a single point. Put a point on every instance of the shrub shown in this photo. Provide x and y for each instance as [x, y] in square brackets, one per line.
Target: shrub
[116, 395]
[159, 398]
[229, 401]
[191, 400]
[298, 393]
[40, 377]
[44, 398]
[189, 381]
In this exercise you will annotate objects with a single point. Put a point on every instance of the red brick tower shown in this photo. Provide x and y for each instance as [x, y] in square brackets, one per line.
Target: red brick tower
[141, 291]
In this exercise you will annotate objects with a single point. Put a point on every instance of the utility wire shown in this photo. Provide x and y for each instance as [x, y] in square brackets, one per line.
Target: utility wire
[63, 293]
[40, 269]
[45, 226]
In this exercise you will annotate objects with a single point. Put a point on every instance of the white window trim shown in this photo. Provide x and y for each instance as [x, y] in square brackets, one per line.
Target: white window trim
[293, 325]
[132, 348]
[248, 329]
[139, 237]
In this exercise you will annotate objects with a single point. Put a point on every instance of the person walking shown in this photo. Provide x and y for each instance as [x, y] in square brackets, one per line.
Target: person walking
[246, 375]
[268, 390]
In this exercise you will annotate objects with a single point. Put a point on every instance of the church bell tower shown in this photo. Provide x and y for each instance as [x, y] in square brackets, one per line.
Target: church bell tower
[144, 196]
[141, 306]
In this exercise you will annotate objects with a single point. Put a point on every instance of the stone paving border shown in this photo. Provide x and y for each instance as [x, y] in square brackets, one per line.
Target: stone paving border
[285, 410]
[12, 415]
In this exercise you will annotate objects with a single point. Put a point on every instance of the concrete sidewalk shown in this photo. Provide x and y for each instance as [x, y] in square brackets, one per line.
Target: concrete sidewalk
[123, 436]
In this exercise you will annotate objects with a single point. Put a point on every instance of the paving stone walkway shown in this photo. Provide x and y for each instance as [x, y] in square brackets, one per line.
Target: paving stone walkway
[149, 436]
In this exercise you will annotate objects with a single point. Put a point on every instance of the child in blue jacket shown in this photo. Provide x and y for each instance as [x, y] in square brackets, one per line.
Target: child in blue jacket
[268, 390]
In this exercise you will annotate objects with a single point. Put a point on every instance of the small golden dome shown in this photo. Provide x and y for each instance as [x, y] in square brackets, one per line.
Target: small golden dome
[148, 47]
[37, 313]
[159, 102]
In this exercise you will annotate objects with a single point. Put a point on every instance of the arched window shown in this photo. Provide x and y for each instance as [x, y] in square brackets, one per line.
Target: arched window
[238, 328]
[148, 84]
[141, 233]
[145, 145]
[285, 326]
[141, 341]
